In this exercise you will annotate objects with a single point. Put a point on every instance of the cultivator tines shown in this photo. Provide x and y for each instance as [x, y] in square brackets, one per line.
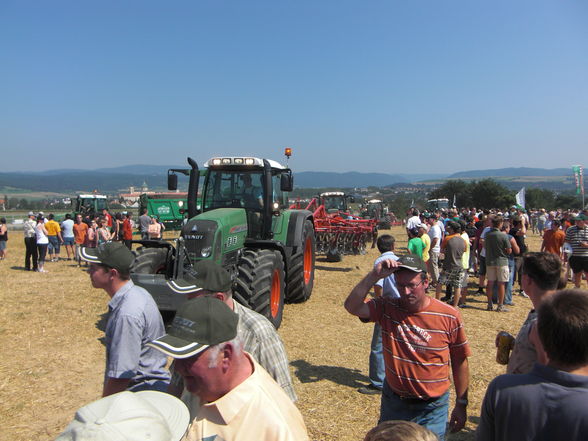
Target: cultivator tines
[339, 233]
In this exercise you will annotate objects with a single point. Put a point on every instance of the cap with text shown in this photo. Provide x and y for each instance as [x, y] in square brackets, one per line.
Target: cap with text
[412, 263]
[199, 323]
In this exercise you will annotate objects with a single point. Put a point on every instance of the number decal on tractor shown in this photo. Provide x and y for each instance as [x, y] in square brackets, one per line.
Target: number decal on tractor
[231, 241]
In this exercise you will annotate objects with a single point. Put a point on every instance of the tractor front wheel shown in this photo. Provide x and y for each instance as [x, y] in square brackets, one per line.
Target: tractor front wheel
[300, 277]
[260, 283]
[150, 261]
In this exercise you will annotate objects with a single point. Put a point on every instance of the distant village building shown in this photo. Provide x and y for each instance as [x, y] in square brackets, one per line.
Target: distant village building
[131, 199]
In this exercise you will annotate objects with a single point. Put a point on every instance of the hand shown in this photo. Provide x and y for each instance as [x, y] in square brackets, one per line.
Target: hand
[458, 418]
[385, 268]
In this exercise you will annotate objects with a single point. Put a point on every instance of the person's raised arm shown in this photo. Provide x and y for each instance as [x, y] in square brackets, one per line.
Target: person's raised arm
[355, 302]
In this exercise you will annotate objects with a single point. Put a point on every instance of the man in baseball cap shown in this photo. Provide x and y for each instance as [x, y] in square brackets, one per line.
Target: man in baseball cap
[221, 377]
[258, 335]
[133, 321]
[128, 416]
[422, 337]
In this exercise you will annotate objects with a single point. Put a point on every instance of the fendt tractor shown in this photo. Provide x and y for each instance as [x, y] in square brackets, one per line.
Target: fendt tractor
[375, 209]
[244, 225]
[89, 204]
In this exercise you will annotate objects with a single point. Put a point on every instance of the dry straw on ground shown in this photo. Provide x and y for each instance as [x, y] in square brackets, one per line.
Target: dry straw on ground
[53, 358]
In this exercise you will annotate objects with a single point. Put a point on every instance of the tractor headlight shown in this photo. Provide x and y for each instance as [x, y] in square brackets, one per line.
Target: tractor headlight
[205, 252]
[180, 204]
[249, 161]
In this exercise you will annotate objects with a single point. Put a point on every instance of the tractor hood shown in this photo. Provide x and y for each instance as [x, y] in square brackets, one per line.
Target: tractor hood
[214, 233]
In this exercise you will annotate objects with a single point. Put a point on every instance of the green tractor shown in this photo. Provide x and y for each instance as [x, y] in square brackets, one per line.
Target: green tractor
[89, 205]
[245, 225]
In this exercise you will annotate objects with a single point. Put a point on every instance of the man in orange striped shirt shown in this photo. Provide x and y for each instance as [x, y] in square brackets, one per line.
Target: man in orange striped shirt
[423, 337]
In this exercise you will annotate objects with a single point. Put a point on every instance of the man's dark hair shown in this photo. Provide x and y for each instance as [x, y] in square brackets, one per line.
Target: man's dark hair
[51, 216]
[454, 226]
[123, 275]
[68, 216]
[543, 268]
[415, 212]
[144, 211]
[385, 243]
[496, 221]
[563, 327]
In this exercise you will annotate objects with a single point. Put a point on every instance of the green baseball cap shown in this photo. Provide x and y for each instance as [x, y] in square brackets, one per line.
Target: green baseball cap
[199, 323]
[113, 254]
[581, 217]
[205, 274]
[412, 263]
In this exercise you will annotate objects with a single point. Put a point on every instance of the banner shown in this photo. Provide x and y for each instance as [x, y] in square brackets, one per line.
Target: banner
[579, 178]
[520, 197]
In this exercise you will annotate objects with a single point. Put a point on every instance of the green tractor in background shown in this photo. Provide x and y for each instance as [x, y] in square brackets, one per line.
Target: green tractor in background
[89, 205]
[244, 225]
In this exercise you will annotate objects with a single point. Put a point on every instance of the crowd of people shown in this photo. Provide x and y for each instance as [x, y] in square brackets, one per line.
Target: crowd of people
[230, 373]
[490, 244]
[44, 236]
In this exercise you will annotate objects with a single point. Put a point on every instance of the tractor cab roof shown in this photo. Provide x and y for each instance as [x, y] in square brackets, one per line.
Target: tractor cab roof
[332, 193]
[240, 163]
[374, 201]
[92, 196]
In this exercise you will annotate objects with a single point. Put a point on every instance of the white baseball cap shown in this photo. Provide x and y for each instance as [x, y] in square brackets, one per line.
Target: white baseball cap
[130, 416]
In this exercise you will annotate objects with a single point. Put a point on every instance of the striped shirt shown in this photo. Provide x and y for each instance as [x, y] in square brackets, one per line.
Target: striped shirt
[574, 236]
[418, 346]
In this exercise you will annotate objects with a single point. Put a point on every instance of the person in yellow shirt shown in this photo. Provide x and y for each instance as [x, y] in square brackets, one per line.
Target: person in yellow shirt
[54, 236]
[229, 395]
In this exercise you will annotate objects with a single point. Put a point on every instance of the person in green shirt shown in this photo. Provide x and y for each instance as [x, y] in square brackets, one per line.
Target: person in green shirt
[415, 243]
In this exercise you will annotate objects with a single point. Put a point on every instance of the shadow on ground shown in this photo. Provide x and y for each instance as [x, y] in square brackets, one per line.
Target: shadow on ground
[309, 373]
[331, 268]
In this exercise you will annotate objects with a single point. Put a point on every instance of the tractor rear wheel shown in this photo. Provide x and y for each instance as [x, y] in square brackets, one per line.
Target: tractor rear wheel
[150, 261]
[260, 283]
[300, 277]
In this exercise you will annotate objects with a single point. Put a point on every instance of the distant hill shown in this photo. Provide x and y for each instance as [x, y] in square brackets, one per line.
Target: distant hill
[512, 172]
[356, 179]
[116, 179]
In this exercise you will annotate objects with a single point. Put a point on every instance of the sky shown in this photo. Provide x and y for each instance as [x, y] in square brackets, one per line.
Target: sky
[417, 86]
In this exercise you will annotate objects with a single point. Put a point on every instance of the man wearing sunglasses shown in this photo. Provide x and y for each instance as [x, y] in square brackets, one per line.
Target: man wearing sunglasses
[423, 337]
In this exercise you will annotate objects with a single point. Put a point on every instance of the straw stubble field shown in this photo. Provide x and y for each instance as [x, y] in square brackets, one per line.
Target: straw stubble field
[53, 357]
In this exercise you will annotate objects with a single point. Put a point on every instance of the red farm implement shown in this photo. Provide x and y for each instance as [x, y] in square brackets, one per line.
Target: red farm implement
[337, 232]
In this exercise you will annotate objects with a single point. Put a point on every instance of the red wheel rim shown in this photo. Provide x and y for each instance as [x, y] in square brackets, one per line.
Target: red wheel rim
[275, 293]
[307, 261]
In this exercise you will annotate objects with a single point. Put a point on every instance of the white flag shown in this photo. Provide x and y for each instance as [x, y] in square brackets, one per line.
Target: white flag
[520, 197]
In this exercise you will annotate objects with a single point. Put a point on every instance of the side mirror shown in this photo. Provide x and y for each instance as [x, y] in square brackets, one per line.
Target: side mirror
[286, 182]
[172, 181]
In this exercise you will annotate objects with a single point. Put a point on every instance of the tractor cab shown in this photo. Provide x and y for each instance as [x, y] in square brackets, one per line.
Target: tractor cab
[89, 204]
[335, 201]
[259, 186]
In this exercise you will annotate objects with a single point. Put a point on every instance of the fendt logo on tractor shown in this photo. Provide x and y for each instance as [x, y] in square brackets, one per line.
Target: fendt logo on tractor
[243, 223]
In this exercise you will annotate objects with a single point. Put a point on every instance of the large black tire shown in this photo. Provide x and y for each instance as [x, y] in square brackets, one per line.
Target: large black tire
[260, 283]
[150, 261]
[300, 278]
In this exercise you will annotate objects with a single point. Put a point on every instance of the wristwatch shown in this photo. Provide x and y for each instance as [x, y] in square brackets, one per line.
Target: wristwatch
[462, 401]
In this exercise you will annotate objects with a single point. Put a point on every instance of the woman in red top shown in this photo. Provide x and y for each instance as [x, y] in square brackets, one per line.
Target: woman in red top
[127, 230]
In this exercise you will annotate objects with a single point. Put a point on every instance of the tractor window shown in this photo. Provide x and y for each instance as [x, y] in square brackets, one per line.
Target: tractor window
[233, 189]
[278, 195]
[101, 205]
[335, 203]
